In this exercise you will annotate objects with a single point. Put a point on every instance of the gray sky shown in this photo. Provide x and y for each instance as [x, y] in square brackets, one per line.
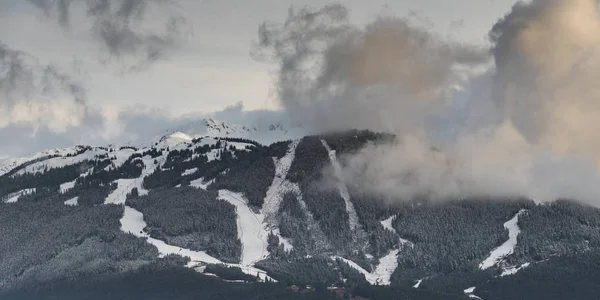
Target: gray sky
[207, 70]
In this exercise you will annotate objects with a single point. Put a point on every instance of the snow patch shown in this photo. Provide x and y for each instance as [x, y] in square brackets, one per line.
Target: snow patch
[469, 292]
[14, 197]
[67, 186]
[508, 247]
[514, 269]
[352, 215]
[133, 222]
[418, 284]
[199, 183]
[189, 172]
[72, 202]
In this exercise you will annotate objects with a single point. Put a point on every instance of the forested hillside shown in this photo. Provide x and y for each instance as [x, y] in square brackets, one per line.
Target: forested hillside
[99, 222]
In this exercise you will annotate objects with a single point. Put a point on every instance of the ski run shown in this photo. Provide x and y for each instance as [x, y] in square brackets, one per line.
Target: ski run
[508, 247]
[337, 168]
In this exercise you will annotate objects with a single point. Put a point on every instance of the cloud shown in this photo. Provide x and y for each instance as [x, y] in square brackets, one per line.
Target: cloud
[517, 122]
[134, 33]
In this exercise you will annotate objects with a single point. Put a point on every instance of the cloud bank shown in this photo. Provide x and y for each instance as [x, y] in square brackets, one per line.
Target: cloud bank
[517, 120]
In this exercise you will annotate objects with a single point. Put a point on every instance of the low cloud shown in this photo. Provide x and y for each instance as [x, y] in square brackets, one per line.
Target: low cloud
[514, 121]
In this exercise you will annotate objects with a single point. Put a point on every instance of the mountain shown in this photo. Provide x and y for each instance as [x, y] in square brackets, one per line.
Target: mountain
[218, 213]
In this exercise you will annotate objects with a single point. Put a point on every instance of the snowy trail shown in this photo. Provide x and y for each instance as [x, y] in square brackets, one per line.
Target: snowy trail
[124, 186]
[382, 273]
[387, 224]
[353, 217]
[280, 185]
[508, 247]
[250, 228]
[133, 222]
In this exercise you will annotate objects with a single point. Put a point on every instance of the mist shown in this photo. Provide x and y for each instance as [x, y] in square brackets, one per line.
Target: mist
[515, 119]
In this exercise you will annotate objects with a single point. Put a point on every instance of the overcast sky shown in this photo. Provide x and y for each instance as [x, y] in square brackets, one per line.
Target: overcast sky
[207, 68]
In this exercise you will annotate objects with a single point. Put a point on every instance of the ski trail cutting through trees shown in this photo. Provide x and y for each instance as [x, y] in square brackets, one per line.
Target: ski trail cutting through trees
[133, 222]
[250, 228]
[352, 216]
[508, 247]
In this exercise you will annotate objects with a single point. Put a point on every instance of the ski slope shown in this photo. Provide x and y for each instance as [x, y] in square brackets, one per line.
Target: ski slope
[250, 228]
[382, 273]
[514, 269]
[352, 215]
[133, 222]
[508, 247]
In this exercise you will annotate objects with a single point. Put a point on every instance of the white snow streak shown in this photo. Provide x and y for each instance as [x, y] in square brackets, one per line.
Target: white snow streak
[418, 284]
[250, 228]
[352, 216]
[514, 269]
[280, 185]
[508, 247]
[133, 222]
[469, 292]
[72, 202]
[189, 172]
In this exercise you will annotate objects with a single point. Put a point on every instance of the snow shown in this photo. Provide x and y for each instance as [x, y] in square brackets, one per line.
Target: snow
[353, 217]
[199, 183]
[387, 224]
[189, 172]
[174, 141]
[124, 186]
[387, 265]
[67, 186]
[508, 247]
[59, 162]
[514, 269]
[418, 284]
[121, 156]
[250, 228]
[8, 164]
[14, 197]
[72, 202]
[280, 185]
[469, 292]
[382, 273]
[133, 222]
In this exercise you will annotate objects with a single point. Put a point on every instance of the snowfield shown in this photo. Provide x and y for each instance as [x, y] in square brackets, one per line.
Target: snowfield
[508, 247]
[352, 216]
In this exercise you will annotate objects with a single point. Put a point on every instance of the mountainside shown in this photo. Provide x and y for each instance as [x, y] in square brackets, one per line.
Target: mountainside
[191, 205]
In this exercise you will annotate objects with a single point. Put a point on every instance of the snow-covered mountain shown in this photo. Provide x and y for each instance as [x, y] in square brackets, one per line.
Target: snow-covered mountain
[212, 199]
